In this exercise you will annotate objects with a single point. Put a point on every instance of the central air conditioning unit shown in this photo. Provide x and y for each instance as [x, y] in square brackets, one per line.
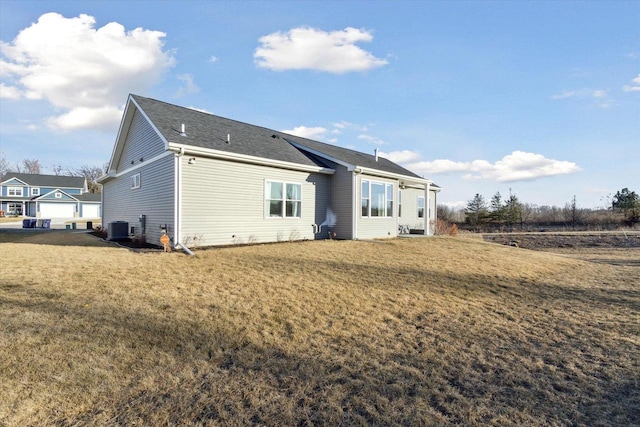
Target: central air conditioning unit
[118, 230]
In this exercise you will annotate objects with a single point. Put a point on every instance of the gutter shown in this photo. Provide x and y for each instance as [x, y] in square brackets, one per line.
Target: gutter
[235, 157]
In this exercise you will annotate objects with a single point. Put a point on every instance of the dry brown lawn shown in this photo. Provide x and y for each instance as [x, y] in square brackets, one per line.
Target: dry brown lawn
[433, 331]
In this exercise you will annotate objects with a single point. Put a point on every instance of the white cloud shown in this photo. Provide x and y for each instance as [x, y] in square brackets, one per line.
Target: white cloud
[598, 96]
[83, 117]
[517, 166]
[404, 156]
[213, 59]
[564, 94]
[309, 48]
[371, 139]
[188, 87]
[307, 132]
[635, 87]
[83, 71]
[9, 92]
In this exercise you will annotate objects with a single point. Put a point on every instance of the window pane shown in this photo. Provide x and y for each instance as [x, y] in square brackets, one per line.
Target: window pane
[293, 191]
[365, 189]
[275, 208]
[389, 211]
[293, 209]
[377, 199]
[420, 207]
[399, 203]
[365, 207]
[274, 190]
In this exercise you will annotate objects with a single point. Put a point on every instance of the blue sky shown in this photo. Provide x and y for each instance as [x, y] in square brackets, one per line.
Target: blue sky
[538, 98]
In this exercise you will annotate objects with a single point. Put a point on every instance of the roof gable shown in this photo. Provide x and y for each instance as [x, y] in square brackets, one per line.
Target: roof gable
[52, 196]
[13, 181]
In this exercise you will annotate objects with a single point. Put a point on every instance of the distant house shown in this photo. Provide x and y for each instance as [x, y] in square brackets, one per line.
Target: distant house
[48, 196]
[208, 180]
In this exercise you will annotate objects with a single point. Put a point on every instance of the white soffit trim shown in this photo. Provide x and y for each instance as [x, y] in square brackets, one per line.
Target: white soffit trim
[17, 179]
[136, 166]
[225, 155]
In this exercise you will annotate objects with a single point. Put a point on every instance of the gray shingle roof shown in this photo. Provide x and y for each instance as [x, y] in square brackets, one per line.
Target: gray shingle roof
[55, 181]
[209, 131]
[89, 197]
[352, 157]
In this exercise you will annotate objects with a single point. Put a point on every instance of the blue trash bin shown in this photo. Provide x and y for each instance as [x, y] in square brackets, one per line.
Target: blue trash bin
[26, 223]
[46, 223]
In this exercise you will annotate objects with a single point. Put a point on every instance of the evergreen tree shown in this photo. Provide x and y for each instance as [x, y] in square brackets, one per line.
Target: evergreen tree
[629, 203]
[476, 211]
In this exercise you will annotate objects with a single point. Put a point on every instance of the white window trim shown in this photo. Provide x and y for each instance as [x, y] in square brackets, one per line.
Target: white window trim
[35, 191]
[386, 185]
[135, 181]
[15, 191]
[284, 199]
[399, 203]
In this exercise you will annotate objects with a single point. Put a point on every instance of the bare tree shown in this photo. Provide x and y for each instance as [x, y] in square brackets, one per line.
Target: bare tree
[527, 210]
[573, 215]
[5, 166]
[30, 166]
[91, 174]
[58, 170]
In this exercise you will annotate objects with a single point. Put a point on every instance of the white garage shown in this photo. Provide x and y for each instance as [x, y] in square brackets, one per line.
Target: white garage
[90, 211]
[57, 210]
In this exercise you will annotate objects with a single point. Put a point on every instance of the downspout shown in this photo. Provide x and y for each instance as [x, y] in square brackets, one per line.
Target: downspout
[427, 210]
[178, 203]
[354, 204]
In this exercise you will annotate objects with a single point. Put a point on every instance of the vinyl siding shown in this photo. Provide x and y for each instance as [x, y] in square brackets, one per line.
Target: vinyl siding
[376, 227]
[341, 203]
[142, 143]
[409, 216]
[154, 198]
[223, 203]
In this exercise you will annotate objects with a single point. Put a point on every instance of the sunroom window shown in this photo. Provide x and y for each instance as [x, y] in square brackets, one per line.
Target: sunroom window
[420, 207]
[377, 199]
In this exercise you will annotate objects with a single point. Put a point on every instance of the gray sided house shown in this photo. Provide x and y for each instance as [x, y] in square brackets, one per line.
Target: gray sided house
[48, 196]
[207, 181]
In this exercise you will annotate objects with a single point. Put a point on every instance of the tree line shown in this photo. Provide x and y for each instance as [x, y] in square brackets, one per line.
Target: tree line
[509, 213]
[33, 166]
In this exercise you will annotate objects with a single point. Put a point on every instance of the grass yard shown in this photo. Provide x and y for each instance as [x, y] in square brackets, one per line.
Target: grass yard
[432, 331]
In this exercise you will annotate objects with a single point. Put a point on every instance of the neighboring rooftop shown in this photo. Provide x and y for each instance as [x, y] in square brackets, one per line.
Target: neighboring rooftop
[38, 180]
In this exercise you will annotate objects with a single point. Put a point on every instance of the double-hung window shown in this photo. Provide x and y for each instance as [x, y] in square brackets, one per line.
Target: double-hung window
[377, 199]
[283, 199]
[399, 203]
[420, 207]
[135, 181]
[35, 191]
[15, 191]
